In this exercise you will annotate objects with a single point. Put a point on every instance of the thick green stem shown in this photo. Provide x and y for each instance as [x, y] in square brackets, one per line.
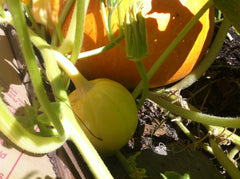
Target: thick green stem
[22, 32]
[233, 153]
[81, 6]
[191, 136]
[62, 18]
[52, 70]
[105, 19]
[129, 164]
[208, 59]
[145, 83]
[125, 163]
[69, 122]
[106, 47]
[186, 131]
[88, 152]
[111, 35]
[120, 17]
[171, 47]
[224, 160]
[180, 123]
[32, 20]
[217, 130]
[78, 80]
[195, 116]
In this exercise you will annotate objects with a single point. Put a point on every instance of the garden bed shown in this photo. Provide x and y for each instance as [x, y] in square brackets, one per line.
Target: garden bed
[163, 145]
[159, 144]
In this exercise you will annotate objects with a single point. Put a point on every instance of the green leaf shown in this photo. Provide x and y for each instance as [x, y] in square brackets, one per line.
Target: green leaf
[186, 162]
[174, 175]
[29, 120]
[231, 10]
[130, 165]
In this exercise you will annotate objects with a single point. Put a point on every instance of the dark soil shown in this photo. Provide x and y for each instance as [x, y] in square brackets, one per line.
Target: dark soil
[221, 82]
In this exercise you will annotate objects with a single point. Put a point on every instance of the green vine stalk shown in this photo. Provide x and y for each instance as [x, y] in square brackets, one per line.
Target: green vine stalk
[69, 122]
[26, 46]
[65, 117]
[60, 113]
[81, 6]
[62, 18]
[193, 115]
[224, 160]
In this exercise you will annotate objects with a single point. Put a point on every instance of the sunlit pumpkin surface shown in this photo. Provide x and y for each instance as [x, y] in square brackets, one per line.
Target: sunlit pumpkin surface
[164, 21]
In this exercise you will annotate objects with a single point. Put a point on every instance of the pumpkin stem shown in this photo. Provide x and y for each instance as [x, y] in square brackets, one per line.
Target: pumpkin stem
[19, 23]
[224, 160]
[61, 20]
[81, 6]
[78, 80]
[194, 115]
[34, 23]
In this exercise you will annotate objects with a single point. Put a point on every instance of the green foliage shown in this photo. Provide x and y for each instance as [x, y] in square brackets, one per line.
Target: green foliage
[57, 114]
[30, 116]
[217, 15]
[174, 175]
[130, 165]
[231, 10]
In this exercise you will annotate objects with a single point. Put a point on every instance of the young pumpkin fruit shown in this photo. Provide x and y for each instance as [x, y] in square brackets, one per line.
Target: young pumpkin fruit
[105, 109]
[107, 113]
[164, 21]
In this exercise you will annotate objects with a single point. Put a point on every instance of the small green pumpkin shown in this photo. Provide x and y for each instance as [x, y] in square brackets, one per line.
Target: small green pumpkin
[107, 113]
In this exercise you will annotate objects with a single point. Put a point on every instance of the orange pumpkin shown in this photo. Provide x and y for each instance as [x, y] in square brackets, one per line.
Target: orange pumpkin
[164, 21]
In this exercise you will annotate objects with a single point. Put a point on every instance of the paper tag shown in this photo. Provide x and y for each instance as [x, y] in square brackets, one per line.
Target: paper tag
[13, 163]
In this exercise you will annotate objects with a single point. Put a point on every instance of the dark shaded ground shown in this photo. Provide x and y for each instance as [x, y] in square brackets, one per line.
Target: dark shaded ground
[221, 83]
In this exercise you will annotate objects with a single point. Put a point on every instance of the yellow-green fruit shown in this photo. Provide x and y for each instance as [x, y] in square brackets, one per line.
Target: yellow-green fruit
[107, 111]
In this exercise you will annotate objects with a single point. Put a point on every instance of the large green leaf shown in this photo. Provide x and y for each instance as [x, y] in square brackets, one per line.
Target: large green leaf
[183, 161]
[231, 10]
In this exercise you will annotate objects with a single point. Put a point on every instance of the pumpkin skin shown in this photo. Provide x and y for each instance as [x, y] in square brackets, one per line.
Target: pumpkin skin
[164, 21]
[108, 110]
